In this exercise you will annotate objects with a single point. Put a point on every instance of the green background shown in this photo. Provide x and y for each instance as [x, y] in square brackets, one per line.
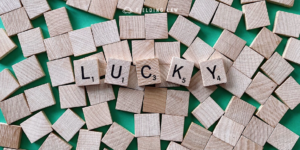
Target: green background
[209, 34]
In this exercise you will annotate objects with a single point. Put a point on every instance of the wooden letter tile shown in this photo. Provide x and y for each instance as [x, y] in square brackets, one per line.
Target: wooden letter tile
[9, 5]
[117, 72]
[80, 4]
[142, 49]
[147, 125]
[105, 33]
[35, 8]
[119, 50]
[89, 140]
[132, 27]
[256, 15]
[245, 143]
[182, 7]
[100, 93]
[103, 8]
[8, 84]
[155, 100]
[134, 6]
[175, 146]
[165, 51]
[148, 71]
[58, 47]
[55, 142]
[286, 24]
[102, 62]
[157, 4]
[156, 26]
[149, 143]
[249, 1]
[10, 136]
[6, 44]
[164, 70]
[291, 52]
[215, 143]
[130, 100]
[204, 10]
[72, 96]
[86, 72]
[213, 72]
[286, 3]
[227, 62]
[133, 80]
[177, 103]
[172, 128]
[180, 71]
[184, 31]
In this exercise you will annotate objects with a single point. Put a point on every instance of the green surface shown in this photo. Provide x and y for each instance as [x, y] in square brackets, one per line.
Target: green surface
[209, 34]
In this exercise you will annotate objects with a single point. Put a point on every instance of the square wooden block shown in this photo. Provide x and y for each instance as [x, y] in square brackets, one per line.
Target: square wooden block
[119, 50]
[286, 24]
[245, 143]
[208, 112]
[8, 84]
[256, 15]
[105, 33]
[101, 61]
[80, 4]
[15, 108]
[132, 27]
[286, 3]
[68, 124]
[97, 116]
[86, 72]
[36, 127]
[291, 51]
[161, 5]
[134, 6]
[100, 93]
[215, 143]
[133, 80]
[237, 82]
[177, 103]
[10, 136]
[130, 100]
[149, 143]
[82, 41]
[61, 71]
[213, 72]
[198, 90]
[72, 96]
[277, 68]
[55, 142]
[249, 1]
[198, 52]
[155, 100]
[228, 131]
[227, 62]
[35, 8]
[156, 26]
[40, 97]
[172, 128]
[175, 146]
[248, 61]
[117, 72]
[115, 134]
[183, 7]
[142, 49]
[230, 45]
[28, 70]
[148, 71]
[147, 125]
[258, 131]
[9, 5]
[164, 69]
[204, 10]
[103, 8]
[58, 21]
[184, 31]
[180, 71]
[165, 51]
[283, 138]
[58, 47]
[6, 44]
[89, 140]
[196, 132]
[16, 21]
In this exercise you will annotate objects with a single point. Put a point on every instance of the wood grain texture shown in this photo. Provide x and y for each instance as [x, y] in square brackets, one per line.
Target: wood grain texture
[208, 112]
[58, 47]
[165, 51]
[100, 93]
[277, 68]
[6, 44]
[130, 100]
[180, 71]
[229, 45]
[291, 51]
[249, 1]
[134, 6]
[147, 125]
[15, 108]
[133, 80]
[217, 144]
[184, 31]
[155, 100]
[164, 69]
[204, 10]
[86, 72]
[105, 33]
[247, 144]
[149, 143]
[61, 71]
[227, 62]
[8, 84]
[28, 70]
[183, 7]
[103, 8]
[72, 96]
[286, 3]
[227, 2]
[132, 27]
[156, 26]
[142, 49]
[148, 71]
[9, 5]
[55, 142]
[88, 140]
[35, 8]
[10, 136]
[172, 128]
[32, 42]
[119, 50]
[36, 127]
[82, 41]
[174, 146]
[217, 67]
[117, 137]
[80, 4]
[117, 72]
[256, 15]
[196, 132]
[286, 24]
[157, 4]
[102, 62]
[177, 103]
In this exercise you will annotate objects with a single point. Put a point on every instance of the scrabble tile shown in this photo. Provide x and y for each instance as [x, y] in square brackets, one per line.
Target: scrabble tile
[245, 143]
[28, 70]
[291, 51]
[215, 143]
[183, 6]
[286, 24]
[157, 4]
[237, 82]
[142, 49]
[86, 72]
[249, 1]
[227, 62]
[117, 137]
[39, 97]
[175, 146]
[261, 88]
[213, 72]
[58, 47]
[198, 90]
[102, 62]
[134, 6]
[177, 103]
[79, 4]
[248, 61]
[156, 26]
[6, 44]
[148, 71]
[147, 125]
[277, 68]
[32, 42]
[172, 128]
[58, 21]
[204, 10]
[130, 100]
[89, 140]
[196, 132]
[228, 2]
[72, 96]
[61, 71]
[10, 135]
[8, 84]
[149, 143]
[228, 131]
[227, 17]
[68, 124]
[133, 80]
[198, 52]
[258, 131]
[100, 93]
[208, 112]
[16, 21]
[155, 100]
[229, 45]
[119, 50]
[286, 3]
[165, 51]
[103, 8]
[164, 69]
[35, 8]
[132, 27]
[119, 77]
[180, 71]
[283, 138]
[256, 15]
[36, 127]
[97, 116]
[55, 142]
[105, 33]
[184, 31]
[9, 5]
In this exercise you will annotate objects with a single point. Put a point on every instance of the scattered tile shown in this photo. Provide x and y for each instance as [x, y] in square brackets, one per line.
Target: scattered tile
[286, 24]
[156, 26]
[103, 8]
[119, 77]
[100, 93]
[183, 7]
[147, 125]
[79, 4]
[35, 8]
[142, 49]
[249, 1]
[86, 72]
[6, 44]
[58, 47]
[227, 2]
[132, 27]
[9, 5]
[165, 51]
[172, 128]
[286, 3]
[55, 142]
[89, 140]
[160, 5]
[102, 62]
[148, 72]
[155, 100]
[105, 33]
[177, 103]
[97, 116]
[245, 143]
[149, 143]
[8, 84]
[227, 62]
[291, 52]
[72, 96]
[180, 71]
[134, 6]
[164, 69]
[215, 143]
[10, 136]
[175, 146]
[119, 50]
[204, 10]
[133, 80]
[130, 100]
[213, 72]
[256, 15]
